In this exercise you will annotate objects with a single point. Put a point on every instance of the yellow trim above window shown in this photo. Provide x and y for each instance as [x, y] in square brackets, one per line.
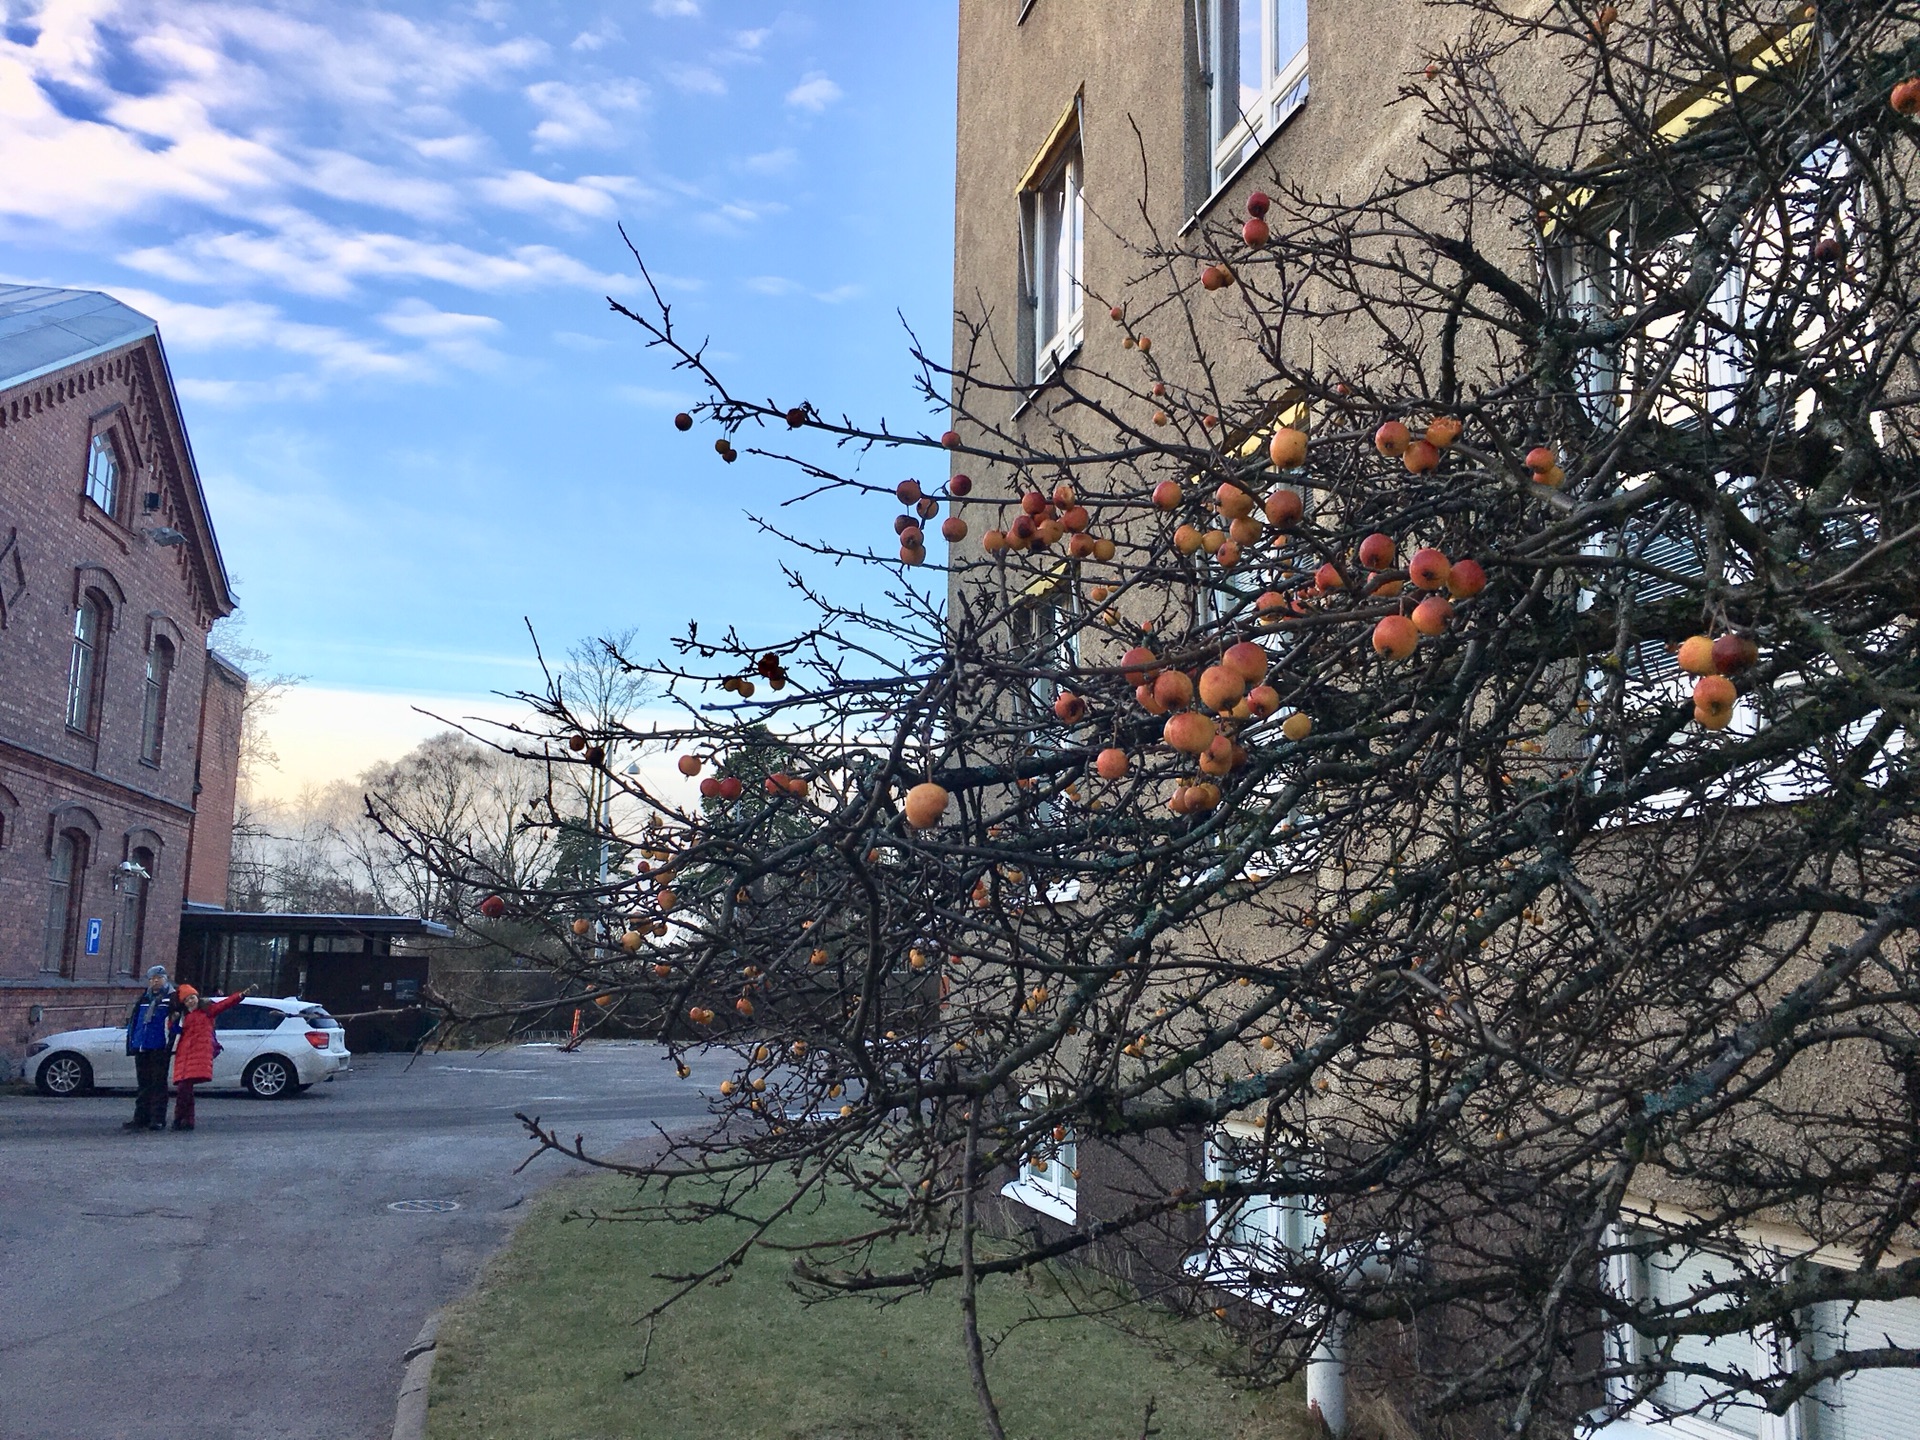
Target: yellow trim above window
[1065, 131]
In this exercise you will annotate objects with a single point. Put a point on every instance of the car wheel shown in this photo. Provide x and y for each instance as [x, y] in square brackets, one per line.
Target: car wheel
[269, 1078]
[65, 1074]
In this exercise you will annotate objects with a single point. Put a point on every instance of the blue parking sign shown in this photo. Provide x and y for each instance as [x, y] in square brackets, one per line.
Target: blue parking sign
[93, 937]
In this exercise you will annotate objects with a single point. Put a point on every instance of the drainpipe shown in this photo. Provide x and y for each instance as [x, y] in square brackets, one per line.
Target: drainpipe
[1327, 1379]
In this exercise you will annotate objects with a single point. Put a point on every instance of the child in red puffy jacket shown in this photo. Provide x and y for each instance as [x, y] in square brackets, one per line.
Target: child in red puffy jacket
[193, 1046]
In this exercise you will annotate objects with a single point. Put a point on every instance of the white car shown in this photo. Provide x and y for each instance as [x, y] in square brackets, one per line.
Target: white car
[269, 1048]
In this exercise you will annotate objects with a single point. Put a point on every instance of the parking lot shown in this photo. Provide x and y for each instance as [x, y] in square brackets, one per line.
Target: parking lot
[262, 1276]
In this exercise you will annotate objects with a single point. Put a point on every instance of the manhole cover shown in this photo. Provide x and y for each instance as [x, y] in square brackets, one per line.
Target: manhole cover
[424, 1207]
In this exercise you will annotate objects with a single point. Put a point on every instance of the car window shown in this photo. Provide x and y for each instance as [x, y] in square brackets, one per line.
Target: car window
[319, 1019]
[249, 1017]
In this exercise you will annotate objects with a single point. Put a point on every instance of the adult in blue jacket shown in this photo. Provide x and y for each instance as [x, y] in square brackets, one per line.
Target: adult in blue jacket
[148, 1043]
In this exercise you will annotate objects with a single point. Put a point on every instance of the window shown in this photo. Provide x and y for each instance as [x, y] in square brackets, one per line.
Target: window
[1053, 248]
[153, 710]
[65, 872]
[1251, 1238]
[82, 670]
[1868, 1404]
[1254, 64]
[132, 879]
[1049, 1180]
[249, 1017]
[1691, 1406]
[103, 474]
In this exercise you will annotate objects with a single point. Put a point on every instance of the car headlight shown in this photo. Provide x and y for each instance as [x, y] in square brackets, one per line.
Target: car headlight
[36, 1047]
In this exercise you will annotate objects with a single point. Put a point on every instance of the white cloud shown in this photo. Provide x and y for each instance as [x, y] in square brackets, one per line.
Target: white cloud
[677, 9]
[695, 80]
[449, 335]
[779, 285]
[253, 325]
[772, 162]
[814, 92]
[652, 399]
[592, 195]
[598, 36]
[751, 40]
[309, 256]
[575, 116]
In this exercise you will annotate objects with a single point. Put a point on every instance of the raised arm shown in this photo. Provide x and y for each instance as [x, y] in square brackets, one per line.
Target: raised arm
[226, 1002]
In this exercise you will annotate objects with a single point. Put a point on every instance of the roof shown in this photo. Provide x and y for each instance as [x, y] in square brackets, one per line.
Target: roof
[43, 329]
[205, 920]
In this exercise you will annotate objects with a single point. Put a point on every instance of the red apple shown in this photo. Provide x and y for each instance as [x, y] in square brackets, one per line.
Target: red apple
[1428, 569]
[1733, 653]
[1392, 439]
[1465, 579]
[1258, 203]
[1377, 551]
[960, 485]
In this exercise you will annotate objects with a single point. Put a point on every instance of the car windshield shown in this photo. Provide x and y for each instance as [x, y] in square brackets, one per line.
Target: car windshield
[319, 1019]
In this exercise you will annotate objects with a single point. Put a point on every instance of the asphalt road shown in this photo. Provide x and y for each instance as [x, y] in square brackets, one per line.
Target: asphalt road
[249, 1280]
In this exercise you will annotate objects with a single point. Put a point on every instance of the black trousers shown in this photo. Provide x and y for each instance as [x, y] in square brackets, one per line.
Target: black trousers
[150, 1066]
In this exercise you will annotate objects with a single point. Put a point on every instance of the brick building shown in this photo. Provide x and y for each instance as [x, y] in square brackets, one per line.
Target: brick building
[119, 728]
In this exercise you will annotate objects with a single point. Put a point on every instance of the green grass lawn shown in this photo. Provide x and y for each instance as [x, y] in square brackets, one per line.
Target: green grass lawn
[541, 1347]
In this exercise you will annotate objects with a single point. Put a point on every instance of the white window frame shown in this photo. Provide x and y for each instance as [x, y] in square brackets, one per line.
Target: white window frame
[83, 665]
[1049, 1179]
[1626, 1276]
[1287, 1225]
[103, 474]
[1236, 131]
[1053, 235]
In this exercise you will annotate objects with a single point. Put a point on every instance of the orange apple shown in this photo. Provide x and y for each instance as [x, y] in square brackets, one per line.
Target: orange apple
[1297, 726]
[1069, 708]
[1696, 655]
[1139, 664]
[1262, 701]
[1110, 763]
[1422, 457]
[1234, 501]
[1394, 638]
[1713, 697]
[926, 803]
[1288, 448]
[1430, 616]
[1221, 688]
[1167, 495]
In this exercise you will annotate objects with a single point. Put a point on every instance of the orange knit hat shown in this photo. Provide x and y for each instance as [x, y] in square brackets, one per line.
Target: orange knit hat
[185, 993]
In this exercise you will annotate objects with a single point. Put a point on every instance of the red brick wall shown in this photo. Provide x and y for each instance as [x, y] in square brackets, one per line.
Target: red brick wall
[53, 543]
[221, 712]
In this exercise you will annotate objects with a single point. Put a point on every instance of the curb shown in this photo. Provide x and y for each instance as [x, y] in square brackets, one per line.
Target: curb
[410, 1416]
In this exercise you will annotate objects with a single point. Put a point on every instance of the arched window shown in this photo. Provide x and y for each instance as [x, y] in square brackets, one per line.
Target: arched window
[134, 879]
[66, 874]
[103, 474]
[153, 713]
[89, 621]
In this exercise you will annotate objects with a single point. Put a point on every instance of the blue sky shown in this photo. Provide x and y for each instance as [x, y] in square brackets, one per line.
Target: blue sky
[378, 239]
